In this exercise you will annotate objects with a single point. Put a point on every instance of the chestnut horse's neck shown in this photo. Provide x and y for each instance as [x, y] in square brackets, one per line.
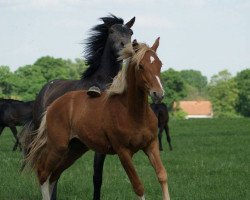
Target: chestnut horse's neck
[137, 99]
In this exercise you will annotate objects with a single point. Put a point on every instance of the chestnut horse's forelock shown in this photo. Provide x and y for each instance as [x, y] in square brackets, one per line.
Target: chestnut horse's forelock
[131, 57]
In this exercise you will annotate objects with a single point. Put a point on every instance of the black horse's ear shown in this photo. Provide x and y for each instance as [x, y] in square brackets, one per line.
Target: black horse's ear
[130, 23]
[135, 45]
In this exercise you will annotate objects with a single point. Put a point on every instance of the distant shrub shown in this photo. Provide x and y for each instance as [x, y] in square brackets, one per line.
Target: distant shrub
[178, 114]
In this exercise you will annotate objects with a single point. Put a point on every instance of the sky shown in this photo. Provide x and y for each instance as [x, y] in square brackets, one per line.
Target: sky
[204, 35]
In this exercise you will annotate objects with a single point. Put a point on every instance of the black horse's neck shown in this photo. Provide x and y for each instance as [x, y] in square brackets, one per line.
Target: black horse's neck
[107, 70]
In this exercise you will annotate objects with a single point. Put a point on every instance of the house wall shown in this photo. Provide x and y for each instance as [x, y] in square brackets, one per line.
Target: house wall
[198, 116]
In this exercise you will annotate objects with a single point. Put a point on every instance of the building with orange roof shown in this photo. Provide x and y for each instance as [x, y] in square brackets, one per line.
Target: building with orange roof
[196, 109]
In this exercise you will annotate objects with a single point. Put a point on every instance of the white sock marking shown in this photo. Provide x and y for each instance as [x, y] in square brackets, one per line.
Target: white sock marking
[141, 198]
[152, 59]
[45, 189]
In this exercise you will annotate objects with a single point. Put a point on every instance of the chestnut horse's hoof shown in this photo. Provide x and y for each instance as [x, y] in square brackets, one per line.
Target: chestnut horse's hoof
[94, 91]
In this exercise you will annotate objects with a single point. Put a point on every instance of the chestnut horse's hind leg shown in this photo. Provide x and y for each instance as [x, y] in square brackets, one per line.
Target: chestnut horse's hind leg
[54, 153]
[153, 154]
[44, 171]
[76, 150]
[126, 160]
[97, 178]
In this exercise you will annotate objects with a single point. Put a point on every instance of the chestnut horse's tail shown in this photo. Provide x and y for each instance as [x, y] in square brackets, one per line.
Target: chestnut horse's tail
[37, 146]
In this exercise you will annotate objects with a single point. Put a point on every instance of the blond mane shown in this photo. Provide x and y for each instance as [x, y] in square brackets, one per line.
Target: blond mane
[130, 56]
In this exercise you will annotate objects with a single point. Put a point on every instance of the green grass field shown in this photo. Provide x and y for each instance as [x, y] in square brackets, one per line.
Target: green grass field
[210, 160]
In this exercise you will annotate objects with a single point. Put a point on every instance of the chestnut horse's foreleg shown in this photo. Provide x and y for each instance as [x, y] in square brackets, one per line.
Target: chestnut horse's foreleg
[126, 159]
[153, 154]
[97, 178]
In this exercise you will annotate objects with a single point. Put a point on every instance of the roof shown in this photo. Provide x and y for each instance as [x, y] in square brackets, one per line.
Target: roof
[196, 107]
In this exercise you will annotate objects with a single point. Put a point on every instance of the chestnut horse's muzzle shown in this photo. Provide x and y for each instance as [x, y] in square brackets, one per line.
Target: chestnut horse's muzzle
[157, 96]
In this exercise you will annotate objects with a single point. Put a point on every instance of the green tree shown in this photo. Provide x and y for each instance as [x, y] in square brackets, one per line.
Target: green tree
[223, 93]
[6, 85]
[29, 80]
[194, 78]
[243, 84]
[174, 86]
[52, 68]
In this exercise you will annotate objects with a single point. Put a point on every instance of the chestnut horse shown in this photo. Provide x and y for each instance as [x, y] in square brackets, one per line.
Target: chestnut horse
[124, 123]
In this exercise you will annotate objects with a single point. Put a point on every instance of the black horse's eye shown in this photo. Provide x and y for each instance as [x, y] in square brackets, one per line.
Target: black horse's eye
[131, 32]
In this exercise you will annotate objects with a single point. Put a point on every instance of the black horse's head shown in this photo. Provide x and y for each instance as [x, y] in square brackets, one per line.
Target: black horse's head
[119, 33]
[113, 35]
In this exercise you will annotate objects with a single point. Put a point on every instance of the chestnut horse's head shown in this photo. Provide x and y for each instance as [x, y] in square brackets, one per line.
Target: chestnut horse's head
[142, 69]
[148, 69]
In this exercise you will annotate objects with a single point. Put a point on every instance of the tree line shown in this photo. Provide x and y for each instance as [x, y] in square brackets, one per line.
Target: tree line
[230, 95]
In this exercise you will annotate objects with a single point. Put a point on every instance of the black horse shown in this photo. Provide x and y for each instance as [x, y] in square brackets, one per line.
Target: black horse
[161, 111]
[101, 55]
[14, 113]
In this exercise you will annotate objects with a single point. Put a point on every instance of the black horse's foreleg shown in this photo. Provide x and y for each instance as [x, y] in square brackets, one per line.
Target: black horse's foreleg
[97, 178]
[1, 129]
[54, 192]
[159, 138]
[14, 131]
[168, 137]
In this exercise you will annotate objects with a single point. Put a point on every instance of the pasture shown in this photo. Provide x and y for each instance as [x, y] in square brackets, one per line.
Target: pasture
[210, 160]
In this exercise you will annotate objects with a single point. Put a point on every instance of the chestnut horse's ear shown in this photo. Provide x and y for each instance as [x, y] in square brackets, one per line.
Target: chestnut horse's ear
[156, 44]
[130, 23]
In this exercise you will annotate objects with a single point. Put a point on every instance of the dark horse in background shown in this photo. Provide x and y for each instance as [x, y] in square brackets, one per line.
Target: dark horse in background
[14, 113]
[161, 111]
[101, 54]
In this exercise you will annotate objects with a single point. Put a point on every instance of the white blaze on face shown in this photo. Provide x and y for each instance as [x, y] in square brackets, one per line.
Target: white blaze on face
[152, 59]
[159, 81]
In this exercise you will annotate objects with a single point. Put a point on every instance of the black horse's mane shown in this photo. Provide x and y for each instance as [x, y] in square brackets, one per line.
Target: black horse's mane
[96, 42]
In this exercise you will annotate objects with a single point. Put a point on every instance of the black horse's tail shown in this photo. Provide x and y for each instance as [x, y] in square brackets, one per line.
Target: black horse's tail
[26, 136]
